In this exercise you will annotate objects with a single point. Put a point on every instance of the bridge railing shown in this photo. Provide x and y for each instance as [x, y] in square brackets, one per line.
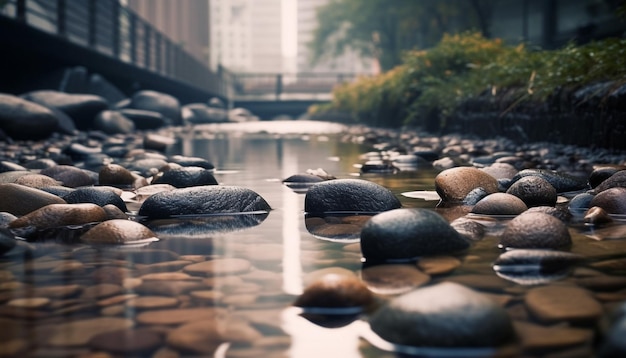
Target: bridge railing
[278, 86]
[109, 28]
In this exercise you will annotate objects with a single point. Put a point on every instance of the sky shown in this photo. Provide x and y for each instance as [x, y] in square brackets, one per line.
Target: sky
[290, 28]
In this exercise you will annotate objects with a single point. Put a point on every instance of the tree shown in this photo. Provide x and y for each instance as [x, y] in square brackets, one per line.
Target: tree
[385, 29]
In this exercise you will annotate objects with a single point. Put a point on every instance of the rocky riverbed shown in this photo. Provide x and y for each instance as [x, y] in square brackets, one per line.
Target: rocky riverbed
[110, 242]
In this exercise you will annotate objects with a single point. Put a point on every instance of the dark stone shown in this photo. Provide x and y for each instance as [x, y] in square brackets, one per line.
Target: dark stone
[534, 191]
[159, 102]
[202, 200]
[614, 344]
[144, 119]
[426, 154]
[191, 162]
[562, 182]
[612, 200]
[95, 195]
[536, 260]
[405, 234]
[69, 176]
[113, 122]
[186, 177]
[616, 180]
[443, 315]
[535, 231]
[22, 119]
[201, 113]
[351, 195]
[82, 108]
[500, 204]
[580, 203]
[599, 175]
[99, 86]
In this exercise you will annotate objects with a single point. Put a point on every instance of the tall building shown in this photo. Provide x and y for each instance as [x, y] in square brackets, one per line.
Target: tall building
[186, 22]
[246, 35]
[350, 61]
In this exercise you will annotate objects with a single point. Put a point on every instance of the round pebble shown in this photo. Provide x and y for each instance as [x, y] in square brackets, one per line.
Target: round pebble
[535, 231]
[454, 184]
[405, 234]
[118, 232]
[500, 204]
[431, 317]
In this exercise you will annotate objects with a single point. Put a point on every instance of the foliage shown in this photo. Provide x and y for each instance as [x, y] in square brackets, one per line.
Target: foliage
[430, 85]
[385, 29]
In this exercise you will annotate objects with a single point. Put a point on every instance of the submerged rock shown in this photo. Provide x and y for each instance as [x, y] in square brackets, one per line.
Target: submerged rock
[349, 195]
[535, 230]
[562, 182]
[202, 200]
[443, 315]
[334, 290]
[405, 234]
[118, 232]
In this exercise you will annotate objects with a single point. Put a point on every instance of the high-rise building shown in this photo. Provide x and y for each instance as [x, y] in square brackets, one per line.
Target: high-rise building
[185, 22]
[246, 35]
[350, 61]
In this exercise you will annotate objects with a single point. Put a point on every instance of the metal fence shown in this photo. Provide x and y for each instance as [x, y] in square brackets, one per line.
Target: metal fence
[111, 29]
[285, 85]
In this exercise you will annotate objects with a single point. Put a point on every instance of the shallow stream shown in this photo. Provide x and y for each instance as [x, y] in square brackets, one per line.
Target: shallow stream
[73, 287]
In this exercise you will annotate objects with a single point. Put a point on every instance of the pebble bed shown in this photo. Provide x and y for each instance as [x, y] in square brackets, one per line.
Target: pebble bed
[96, 278]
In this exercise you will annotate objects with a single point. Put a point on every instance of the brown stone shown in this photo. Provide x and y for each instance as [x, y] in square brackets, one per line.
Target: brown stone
[437, 265]
[216, 267]
[118, 232]
[128, 341]
[29, 302]
[20, 200]
[535, 337]
[562, 303]
[454, 184]
[152, 302]
[179, 316]
[393, 279]
[168, 288]
[205, 336]
[55, 215]
[102, 290]
[80, 332]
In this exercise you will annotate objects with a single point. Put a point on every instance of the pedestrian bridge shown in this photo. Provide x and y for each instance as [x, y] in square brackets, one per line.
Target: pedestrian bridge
[40, 37]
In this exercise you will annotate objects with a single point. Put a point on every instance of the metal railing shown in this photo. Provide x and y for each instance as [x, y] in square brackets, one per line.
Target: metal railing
[111, 29]
[285, 85]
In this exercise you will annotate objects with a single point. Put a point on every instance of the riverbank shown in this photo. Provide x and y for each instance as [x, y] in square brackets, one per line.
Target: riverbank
[469, 84]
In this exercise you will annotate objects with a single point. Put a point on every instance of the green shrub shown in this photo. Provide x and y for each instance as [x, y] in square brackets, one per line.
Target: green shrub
[430, 84]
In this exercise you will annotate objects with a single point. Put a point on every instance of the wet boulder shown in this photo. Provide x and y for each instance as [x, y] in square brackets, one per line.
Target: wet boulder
[601, 174]
[186, 161]
[562, 182]
[143, 119]
[349, 195]
[500, 204]
[113, 122]
[405, 234]
[534, 191]
[116, 175]
[117, 232]
[535, 230]
[454, 184]
[203, 200]
[616, 180]
[159, 102]
[20, 200]
[95, 195]
[443, 315]
[69, 176]
[185, 177]
[56, 215]
[334, 290]
[82, 108]
[612, 200]
[22, 119]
